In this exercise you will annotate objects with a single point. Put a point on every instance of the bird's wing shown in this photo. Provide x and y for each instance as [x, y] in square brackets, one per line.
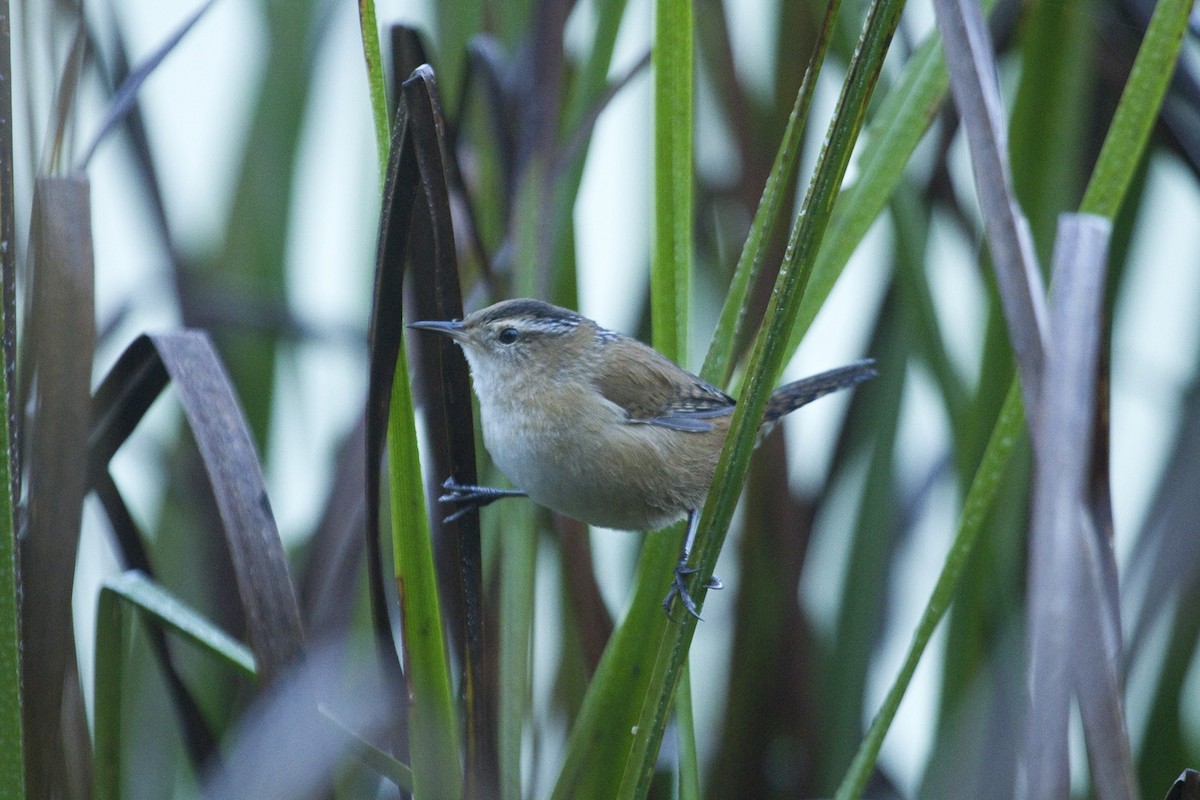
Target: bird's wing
[654, 391]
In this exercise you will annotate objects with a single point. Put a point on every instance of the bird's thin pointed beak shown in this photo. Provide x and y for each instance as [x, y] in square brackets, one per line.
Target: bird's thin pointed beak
[452, 328]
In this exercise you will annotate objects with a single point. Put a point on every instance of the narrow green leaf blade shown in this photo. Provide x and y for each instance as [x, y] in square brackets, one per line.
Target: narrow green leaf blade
[901, 121]
[134, 590]
[165, 609]
[670, 271]
[1114, 172]
[369, 28]
[518, 561]
[984, 487]
[433, 738]
[1140, 101]
[718, 363]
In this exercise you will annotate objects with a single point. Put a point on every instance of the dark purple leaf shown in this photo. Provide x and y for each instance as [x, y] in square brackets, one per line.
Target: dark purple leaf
[384, 337]
[331, 577]
[8, 252]
[974, 84]
[445, 394]
[61, 339]
[1067, 579]
[1186, 787]
[231, 464]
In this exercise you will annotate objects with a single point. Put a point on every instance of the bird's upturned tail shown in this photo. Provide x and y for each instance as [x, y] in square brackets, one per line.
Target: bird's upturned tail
[789, 397]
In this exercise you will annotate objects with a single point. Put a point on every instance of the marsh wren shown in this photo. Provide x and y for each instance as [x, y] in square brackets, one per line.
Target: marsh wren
[598, 426]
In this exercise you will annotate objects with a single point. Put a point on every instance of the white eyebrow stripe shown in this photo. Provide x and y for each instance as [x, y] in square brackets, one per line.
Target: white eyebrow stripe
[551, 325]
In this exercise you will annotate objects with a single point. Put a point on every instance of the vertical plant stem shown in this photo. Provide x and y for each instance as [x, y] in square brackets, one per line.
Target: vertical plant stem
[518, 561]
[433, 738]
[673, 248]
[108, 681]
[12, 751]
[124, 599]
[12, 759]
[685, 732]
[374, 62]
[519, 531]
[670, 287]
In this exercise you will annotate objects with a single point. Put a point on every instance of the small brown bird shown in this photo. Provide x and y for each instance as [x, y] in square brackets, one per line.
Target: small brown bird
[598, 426]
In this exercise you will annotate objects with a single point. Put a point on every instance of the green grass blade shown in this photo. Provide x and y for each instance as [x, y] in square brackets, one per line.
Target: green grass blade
[374, 62]
[1125, 143]
[12, 745]
[599, 745]
[875, 535]
[910, 226]
[685, 732]
[518, 562]
[159, 605]
[12, 759]
[1051, 108]
[586, 98]
[670, 270]
[518, 542]
[893, 135]
[254, 249]
[12, 749]
[433, 739]
[1008, 429]
[674, 237]
[456, 23]
[718, 363]
[371, 756]
[593, 78]
[110, 634]
[133, 590]
[688, 762]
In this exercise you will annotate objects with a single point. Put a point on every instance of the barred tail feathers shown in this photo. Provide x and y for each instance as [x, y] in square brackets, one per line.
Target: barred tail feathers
[789, 397]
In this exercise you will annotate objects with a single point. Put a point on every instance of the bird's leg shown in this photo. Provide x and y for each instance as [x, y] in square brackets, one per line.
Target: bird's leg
[471, 498]
[682, 570]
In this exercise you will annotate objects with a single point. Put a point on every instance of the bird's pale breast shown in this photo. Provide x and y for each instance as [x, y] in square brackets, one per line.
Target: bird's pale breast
[578, 454]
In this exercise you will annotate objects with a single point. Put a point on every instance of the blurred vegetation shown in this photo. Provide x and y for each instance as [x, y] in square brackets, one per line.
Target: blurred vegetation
[158, 636]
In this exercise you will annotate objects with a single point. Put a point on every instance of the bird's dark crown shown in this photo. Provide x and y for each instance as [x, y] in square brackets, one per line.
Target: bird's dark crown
[531, 315]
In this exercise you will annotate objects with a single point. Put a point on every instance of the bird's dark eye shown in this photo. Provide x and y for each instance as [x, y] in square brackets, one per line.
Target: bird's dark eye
[507, 336]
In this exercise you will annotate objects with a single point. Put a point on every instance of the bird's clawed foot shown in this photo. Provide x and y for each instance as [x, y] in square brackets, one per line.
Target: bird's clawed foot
[679, 589]
[471, 498]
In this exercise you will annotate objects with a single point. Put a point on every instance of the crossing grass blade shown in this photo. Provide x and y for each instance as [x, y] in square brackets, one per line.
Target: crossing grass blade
[719, 361]
[1059, 532]
[974, 83]
[134, 592]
